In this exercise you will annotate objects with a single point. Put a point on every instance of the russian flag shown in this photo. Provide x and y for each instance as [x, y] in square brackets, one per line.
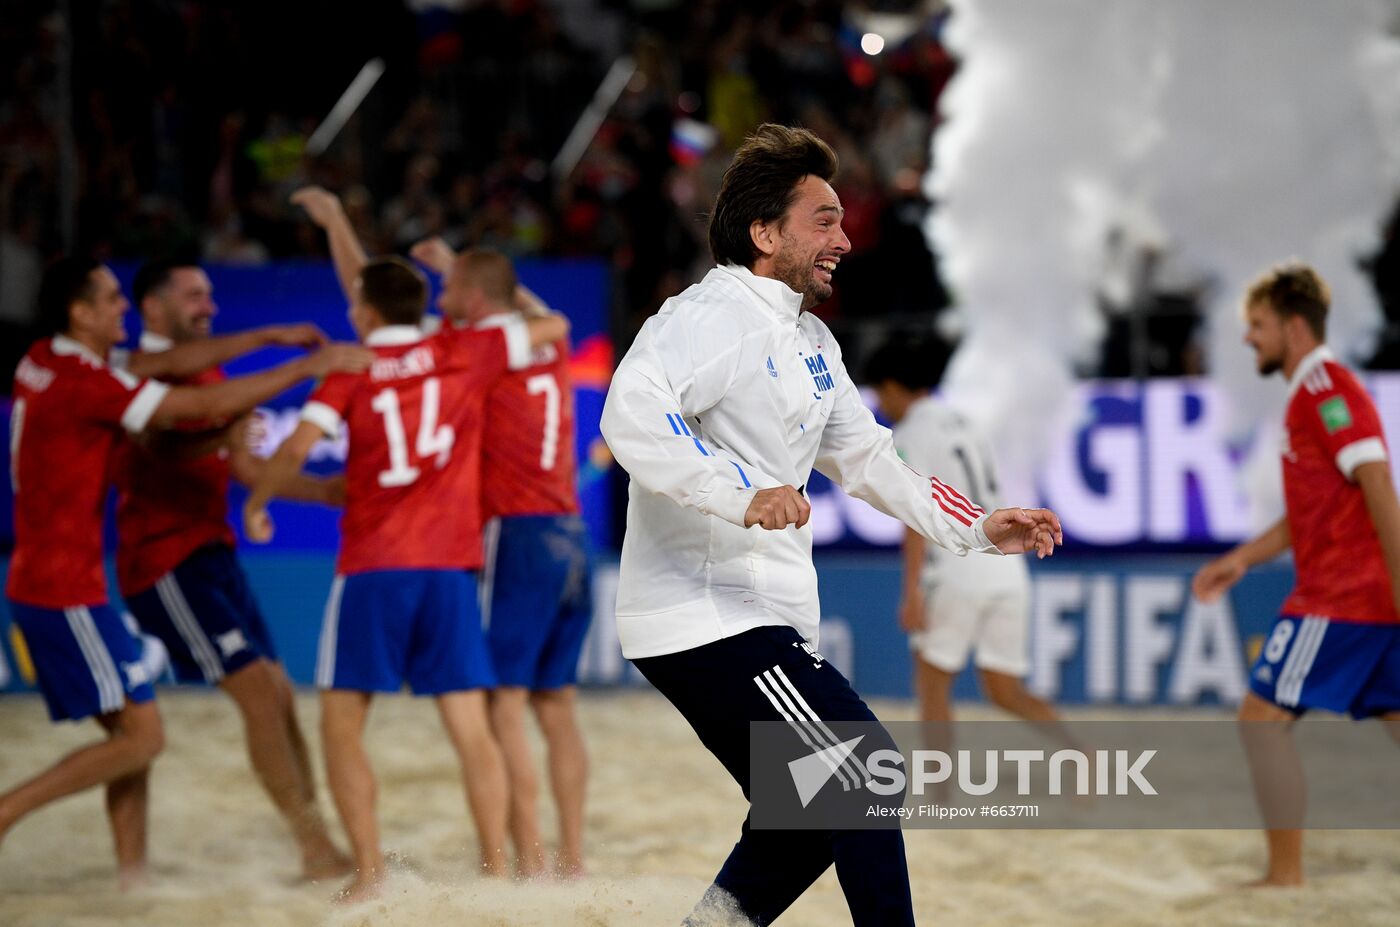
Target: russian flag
[691, 140]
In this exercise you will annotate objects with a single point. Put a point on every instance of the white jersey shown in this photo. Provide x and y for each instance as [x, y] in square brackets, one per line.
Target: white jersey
[936, 439]
[729, 389]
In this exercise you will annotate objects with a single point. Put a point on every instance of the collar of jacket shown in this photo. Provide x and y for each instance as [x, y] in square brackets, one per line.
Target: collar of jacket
[775, 295]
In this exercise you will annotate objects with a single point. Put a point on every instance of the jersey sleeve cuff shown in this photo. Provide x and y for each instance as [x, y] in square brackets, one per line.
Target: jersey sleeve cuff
[143, 405]
[982, 543]
[728, 502]
[1367, 450]
[323, 417]
[518, 352]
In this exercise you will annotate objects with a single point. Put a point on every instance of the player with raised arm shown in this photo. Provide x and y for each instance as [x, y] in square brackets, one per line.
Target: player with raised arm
[178, 571]
[537, 575]
[70, 411]
[1336, 642]
[403, 607]
[727, 400]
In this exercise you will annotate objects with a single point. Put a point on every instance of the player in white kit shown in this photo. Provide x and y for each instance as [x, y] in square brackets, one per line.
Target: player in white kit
[954, 607]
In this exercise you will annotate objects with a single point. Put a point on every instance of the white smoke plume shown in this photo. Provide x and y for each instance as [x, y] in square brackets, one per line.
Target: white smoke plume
[1232, 135]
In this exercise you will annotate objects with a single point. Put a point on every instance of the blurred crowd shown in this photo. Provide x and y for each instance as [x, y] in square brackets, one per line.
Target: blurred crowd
[190, 123]
[137, 127]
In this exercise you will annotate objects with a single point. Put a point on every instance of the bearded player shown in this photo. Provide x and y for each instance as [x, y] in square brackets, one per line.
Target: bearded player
[71, 409]
[179, 574]
[1336, 644]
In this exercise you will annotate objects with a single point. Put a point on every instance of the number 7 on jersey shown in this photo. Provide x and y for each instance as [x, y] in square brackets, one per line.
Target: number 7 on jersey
[546, 384]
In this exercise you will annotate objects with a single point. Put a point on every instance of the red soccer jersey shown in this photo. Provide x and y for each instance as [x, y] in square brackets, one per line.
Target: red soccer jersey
[168, 507]
[528, 462]
[414, 422]
[1330, 429]
[70, 409]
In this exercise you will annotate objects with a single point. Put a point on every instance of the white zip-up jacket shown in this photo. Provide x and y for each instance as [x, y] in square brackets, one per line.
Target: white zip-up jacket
[730, 389]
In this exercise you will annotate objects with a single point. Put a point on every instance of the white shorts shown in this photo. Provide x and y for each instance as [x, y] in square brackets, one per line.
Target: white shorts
[958, 619]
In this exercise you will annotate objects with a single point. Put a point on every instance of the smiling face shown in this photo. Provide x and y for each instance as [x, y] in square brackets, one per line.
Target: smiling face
[183, 308]
[803, 247]
[97, 317]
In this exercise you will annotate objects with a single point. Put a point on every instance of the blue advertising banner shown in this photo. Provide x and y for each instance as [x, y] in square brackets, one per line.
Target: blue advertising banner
[1116, 629]
[1120, 630]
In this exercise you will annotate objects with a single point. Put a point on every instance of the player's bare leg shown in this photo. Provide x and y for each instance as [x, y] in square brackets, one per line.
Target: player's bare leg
[1391, 721]
[568, 772]
[269, 719]
[126, 800]
[1277, 773]
[343, 716]
[934, 688]
[300, 752]
[1009, 693]
[465, 717]
[508, 707]
[135, 738]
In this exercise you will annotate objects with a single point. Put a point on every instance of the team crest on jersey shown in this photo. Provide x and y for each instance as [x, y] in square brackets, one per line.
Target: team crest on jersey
[1335, 414]
[816, 366]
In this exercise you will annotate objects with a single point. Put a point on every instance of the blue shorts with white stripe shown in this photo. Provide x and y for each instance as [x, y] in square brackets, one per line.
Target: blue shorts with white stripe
[385, 628]
[205, 614]
[1316, 662]
[86, 661]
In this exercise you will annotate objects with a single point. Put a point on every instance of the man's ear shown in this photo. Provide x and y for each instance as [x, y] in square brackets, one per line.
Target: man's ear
[764, 236]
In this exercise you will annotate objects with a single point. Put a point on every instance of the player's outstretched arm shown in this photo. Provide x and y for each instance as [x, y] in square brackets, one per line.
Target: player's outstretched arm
[247, 468]
[528, 302]
[219, 402]
[547, 329]
[1020, 531]
[195, 357]
[435, 254]
[1217, 576]
[281, 469]
[1379, 493]
[325, 209]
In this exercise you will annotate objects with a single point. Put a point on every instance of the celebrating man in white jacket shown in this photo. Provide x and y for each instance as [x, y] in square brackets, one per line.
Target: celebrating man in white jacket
[729, 397]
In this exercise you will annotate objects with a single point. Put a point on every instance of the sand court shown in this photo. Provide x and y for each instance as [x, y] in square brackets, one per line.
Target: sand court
[661, 817]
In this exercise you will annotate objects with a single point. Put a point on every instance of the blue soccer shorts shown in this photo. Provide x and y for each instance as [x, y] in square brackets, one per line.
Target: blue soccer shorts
[205, 614]
[385, 628]
[539, 600]
[1314, 662]
[87, 662]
